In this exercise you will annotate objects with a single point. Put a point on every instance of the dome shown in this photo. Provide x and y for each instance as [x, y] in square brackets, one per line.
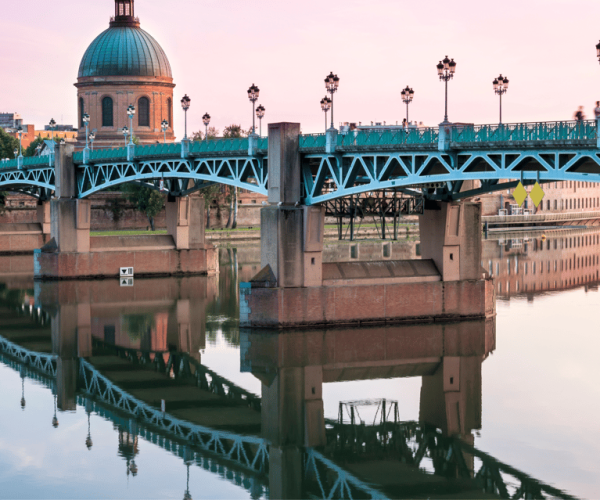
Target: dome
[125, 51]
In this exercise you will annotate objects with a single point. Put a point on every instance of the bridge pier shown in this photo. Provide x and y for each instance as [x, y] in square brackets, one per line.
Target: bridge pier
[73, 254]
[295, 289]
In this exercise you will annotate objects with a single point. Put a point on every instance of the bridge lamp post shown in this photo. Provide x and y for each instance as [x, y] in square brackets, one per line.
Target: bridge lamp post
[131, 114]
[206, 121]
[260, 114]
[253, 93]
[325, 106]
[598, 51]
[407, 97]
[500, 88]
[125, 132]
[86, 121]
[92, 137]
[332, 82]
[185, 104]
[20, 134]
[446, 70]
[164, 125]
[52, 127]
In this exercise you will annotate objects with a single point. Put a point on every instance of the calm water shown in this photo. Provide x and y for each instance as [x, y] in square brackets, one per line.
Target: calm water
[528, 395]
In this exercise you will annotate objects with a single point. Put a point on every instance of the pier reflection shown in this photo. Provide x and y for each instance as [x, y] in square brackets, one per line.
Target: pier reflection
[132, 356]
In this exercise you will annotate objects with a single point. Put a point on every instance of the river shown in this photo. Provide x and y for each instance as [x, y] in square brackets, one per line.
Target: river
[524, 397]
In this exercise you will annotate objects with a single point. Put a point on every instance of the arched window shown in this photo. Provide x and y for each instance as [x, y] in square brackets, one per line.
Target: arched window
[170, 112]
[81, 112]
[144, 112]
[107, 112]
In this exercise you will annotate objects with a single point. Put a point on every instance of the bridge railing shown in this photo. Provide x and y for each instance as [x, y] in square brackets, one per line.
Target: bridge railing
[411, 136]
[28, 161]
[537, 131]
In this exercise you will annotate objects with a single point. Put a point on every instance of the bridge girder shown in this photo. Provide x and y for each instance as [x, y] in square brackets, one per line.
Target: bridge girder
[329, 176]
[36, 182]
[232, 171]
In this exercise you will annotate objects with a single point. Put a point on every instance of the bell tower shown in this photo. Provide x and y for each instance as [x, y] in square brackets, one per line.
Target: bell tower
[124, 14]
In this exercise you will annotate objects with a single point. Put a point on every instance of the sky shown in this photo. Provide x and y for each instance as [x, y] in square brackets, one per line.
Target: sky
[218, 48]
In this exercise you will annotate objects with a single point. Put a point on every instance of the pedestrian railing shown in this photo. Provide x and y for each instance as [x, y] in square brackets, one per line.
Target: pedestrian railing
[510, 132]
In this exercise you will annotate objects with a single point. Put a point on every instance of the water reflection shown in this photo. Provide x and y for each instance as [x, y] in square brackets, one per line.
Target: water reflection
[132, 357]
[526, 263]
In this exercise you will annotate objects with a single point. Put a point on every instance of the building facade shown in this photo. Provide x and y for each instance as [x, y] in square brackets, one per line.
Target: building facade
[125, 66]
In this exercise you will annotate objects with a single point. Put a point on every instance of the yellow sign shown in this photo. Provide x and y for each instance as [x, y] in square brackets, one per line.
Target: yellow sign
[519, 194]
[537, 194]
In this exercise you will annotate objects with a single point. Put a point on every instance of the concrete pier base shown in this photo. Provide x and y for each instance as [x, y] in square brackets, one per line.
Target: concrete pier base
[72, 254]
[25, 238]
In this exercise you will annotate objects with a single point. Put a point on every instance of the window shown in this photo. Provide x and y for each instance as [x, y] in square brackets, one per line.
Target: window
[81, 112]
[144, 112]
[170, 112]
[548, 205]
[107, 112]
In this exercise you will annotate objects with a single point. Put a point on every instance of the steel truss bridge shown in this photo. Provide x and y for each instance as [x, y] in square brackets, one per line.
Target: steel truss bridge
[244, 460]
[435, 162]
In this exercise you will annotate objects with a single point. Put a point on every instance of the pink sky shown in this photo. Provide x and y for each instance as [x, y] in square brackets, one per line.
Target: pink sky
[218, 48]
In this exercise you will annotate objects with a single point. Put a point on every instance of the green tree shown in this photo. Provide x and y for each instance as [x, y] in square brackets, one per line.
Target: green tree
[213, 133]
[146, 200]
[234, 131]
[211, 192]
[31, 149]
[137, 325]
[8, 144]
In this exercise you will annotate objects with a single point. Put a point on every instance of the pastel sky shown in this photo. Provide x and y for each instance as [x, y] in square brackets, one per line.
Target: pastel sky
[218, 48]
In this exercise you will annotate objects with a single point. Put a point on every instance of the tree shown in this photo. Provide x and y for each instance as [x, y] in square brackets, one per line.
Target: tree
[234, 131]
[213, 133]
[3, 195]
[30, 150]
[8, 144]
[211, 192]
[146, 200]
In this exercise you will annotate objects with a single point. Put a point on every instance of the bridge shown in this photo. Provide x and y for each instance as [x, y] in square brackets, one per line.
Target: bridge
[439, 159]
[300, 174]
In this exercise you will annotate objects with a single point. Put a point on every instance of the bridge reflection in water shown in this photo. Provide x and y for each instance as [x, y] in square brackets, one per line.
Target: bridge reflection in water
[132, 356]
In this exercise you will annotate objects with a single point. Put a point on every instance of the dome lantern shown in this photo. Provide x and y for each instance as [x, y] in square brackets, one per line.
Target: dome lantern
[124, 14]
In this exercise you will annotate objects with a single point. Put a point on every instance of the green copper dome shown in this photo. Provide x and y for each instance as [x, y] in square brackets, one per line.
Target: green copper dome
[125, 51]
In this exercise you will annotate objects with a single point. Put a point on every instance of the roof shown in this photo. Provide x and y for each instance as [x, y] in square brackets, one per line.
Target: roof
[124, 51]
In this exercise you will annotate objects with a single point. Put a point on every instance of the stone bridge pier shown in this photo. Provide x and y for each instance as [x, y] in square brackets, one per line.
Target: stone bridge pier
[295, 289]
[73, 254]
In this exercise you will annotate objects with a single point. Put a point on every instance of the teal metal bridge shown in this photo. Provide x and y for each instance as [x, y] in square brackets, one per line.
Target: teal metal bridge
[434, 162]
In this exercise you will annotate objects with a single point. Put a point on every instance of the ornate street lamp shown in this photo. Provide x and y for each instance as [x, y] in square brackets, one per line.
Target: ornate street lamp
[500, 88]
[206, 121]
[125, 132]
[185, 104]
[92, 138]
[131, 113]
[52, 127]
[164, 125]
[260, 114]
[16, 152]
[598, 51]
[253, 93]
[86, 121]
[446, 70]
[332, 82]
[20, 134]
[325, 106]
[407, 97]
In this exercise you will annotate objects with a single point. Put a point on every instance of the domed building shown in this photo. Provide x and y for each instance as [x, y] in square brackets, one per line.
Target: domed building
[125, 65]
